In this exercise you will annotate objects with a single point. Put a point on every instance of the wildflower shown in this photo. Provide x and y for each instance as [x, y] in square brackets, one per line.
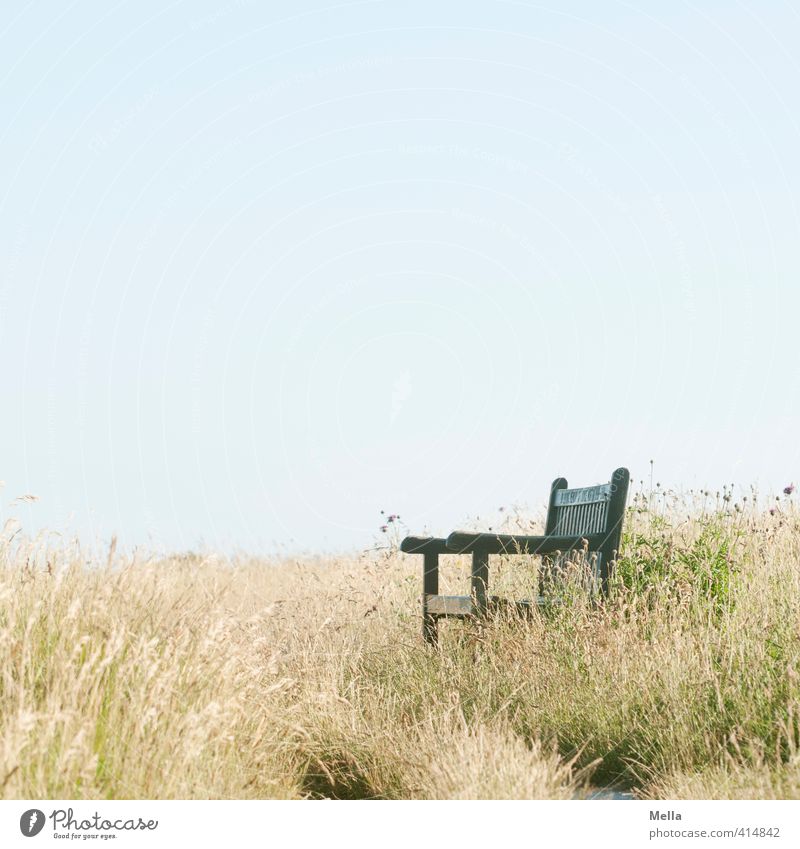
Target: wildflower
[384, 528]
[788, 490]
[772, 511]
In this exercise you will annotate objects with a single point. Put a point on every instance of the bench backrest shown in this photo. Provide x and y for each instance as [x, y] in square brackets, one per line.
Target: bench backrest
[591, 510]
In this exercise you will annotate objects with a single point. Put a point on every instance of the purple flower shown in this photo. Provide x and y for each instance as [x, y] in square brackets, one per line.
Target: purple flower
[384, 528]
[788, 490]
[772, 511]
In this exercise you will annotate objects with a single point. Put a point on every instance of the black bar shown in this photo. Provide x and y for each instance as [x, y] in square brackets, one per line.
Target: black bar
[609, 548]
[480, 580]
[463, 543]
[552, 513]
[430, 586]
[424, 545]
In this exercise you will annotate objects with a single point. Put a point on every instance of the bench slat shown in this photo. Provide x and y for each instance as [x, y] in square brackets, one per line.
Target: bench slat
[462, 542]
[462, 605]
[584, 495]
[450, 605]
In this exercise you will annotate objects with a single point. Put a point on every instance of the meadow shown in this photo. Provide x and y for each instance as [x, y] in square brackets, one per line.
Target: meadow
[195, 676]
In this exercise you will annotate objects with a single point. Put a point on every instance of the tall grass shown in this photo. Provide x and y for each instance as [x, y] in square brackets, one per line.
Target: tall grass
[193, 677]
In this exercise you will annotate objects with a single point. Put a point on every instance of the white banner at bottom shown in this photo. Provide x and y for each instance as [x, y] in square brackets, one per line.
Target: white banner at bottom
[370, 825]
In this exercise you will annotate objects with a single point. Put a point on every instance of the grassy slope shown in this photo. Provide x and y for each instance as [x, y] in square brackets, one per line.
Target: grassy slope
[186, 677]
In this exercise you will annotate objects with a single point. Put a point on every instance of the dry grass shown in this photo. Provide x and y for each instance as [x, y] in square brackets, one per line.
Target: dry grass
[190, 677]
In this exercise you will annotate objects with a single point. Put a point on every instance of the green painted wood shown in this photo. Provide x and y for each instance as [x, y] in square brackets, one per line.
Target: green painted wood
[555, 488]
[620, 481]
[423, 545]
[480, 579]
[585, 518]
[430, 588]
[584, 495]
[465, 543]
[550, 564]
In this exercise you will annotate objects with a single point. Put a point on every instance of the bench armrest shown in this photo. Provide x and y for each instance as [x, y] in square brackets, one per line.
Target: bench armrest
[424, 545]
[462, 543]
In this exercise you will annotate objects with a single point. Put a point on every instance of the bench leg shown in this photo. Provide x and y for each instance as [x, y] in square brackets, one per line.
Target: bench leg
[480, 580]
[430, 586]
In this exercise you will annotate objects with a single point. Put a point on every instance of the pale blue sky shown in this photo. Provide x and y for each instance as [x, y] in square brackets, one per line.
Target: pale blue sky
[268, 268]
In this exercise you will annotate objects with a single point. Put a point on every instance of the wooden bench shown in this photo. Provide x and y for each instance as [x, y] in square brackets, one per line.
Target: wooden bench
[587, 519]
